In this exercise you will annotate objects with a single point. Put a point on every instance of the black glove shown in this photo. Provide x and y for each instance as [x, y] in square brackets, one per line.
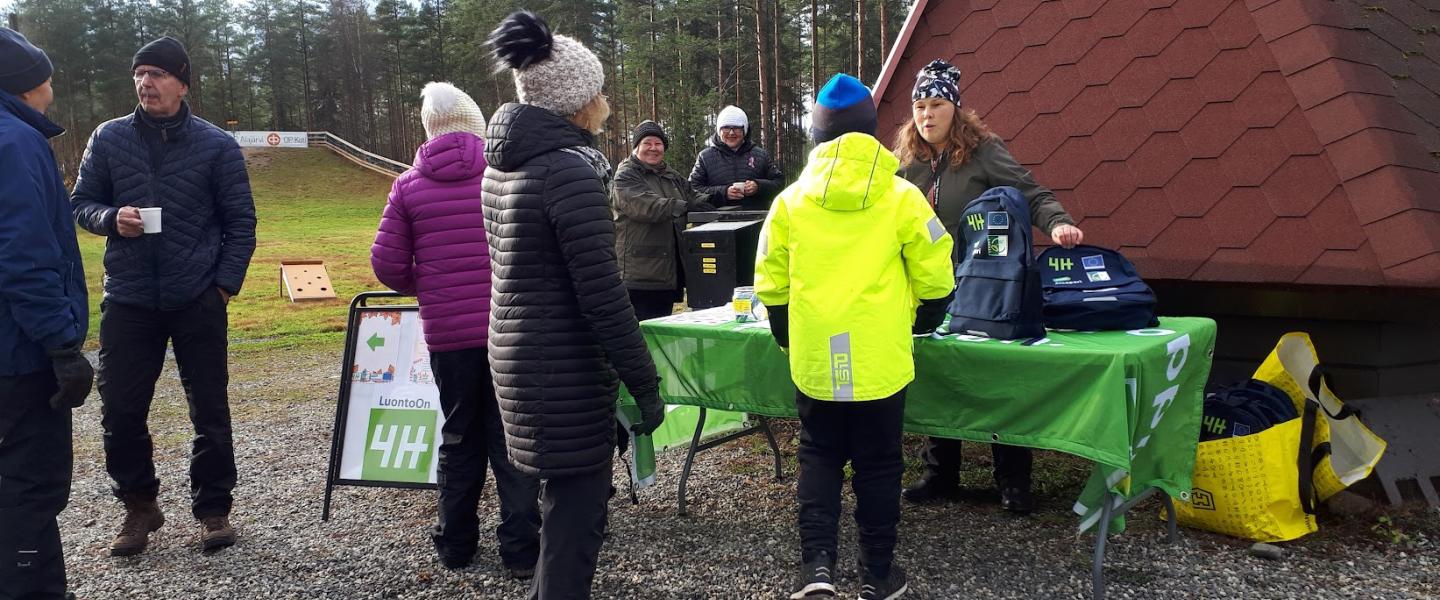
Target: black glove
[780, 324]
[930, 315]
[652, 412]
[74, 374]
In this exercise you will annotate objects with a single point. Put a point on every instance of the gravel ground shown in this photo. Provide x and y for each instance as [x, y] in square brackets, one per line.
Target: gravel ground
[739, 542]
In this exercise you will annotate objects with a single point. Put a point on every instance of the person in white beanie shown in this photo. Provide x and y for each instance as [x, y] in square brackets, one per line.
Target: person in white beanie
[563, 334]
[431, 244]
[732, 170]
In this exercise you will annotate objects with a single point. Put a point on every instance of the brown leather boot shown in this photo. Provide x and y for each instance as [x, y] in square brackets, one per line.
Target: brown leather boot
[142, 516]
[216, 533]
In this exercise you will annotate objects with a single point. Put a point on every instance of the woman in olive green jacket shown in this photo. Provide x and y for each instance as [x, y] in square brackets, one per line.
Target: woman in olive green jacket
[649, 202]
[949, 153]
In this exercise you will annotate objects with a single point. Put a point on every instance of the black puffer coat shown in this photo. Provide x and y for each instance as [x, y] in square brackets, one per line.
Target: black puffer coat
[561, 323]
[718, 166]
[197, 175]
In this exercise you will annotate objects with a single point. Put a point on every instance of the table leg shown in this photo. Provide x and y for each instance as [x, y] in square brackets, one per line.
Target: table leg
[1172, 526]
[774, 447]
[690, 459]
[1097, 575]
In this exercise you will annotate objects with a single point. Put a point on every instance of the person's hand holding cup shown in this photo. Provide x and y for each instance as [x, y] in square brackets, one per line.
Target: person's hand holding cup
[128, 222]
[751, 187]
[736, 191]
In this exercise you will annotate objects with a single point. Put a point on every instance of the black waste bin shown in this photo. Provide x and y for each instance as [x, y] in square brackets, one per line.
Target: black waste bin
[719, 255]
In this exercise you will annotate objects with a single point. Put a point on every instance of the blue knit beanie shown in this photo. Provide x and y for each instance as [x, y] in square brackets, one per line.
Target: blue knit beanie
[23, 67]
[843, 106]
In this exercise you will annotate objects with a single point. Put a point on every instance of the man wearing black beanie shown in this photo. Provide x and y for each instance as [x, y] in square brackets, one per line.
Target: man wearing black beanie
[168, 279]
[43, 321]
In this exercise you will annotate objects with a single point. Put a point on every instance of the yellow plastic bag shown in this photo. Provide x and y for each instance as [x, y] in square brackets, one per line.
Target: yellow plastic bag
[1248, 487]
[1294, 366]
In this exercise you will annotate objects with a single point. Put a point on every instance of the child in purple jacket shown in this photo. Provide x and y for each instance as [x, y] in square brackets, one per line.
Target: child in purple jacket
[431, 244]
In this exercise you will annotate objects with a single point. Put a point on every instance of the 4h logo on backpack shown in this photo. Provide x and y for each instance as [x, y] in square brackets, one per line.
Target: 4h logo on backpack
[1061, 264]
[976, 221]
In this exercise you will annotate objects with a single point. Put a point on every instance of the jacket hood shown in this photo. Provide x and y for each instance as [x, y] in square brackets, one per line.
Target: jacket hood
[848, 173]
[34, 118]
[451, 157]
[520, 132]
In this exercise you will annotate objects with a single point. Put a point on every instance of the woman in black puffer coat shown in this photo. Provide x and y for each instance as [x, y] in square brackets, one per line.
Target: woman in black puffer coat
[563, 334]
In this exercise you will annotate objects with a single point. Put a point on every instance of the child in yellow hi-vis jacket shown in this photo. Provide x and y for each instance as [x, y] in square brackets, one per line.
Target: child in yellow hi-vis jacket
[846, 254]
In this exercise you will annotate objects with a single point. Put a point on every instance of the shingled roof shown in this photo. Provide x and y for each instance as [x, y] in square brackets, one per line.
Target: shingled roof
[1279, 141]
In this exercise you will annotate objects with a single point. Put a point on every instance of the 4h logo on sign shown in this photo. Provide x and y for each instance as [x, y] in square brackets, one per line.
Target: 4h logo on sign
[273, 139]
[399, 445]
[976, 221]
[1061, 264]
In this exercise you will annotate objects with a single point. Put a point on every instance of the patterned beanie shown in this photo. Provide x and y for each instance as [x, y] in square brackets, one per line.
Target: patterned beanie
[553, 72]
[939, 79]
[446, 109]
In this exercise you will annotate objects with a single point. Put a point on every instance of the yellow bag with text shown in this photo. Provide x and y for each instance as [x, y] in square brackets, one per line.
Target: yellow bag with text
[1264, 486]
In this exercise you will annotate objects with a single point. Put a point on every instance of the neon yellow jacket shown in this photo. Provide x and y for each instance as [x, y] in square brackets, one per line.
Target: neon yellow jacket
[852, 248]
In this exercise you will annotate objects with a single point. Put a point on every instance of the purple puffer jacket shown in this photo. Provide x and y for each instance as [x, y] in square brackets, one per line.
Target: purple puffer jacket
[431, 241]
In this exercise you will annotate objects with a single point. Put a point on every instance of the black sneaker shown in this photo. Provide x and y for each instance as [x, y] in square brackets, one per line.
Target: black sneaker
[888, 589]
[932, 489]
[1017, 500]
[520, 573]
[817, 578]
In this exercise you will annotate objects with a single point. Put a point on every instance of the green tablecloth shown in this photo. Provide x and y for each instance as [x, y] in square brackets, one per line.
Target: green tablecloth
[1129, 401]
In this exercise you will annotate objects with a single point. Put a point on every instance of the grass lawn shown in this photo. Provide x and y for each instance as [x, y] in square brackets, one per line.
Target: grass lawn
[312, 205]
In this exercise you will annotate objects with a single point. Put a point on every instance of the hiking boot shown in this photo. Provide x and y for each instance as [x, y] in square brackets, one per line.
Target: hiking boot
[520, 573]
[817, 578]
[933, 488]
[1017, 500]
[888, 588]
[216, 533]
[142, 516]
[452, 556]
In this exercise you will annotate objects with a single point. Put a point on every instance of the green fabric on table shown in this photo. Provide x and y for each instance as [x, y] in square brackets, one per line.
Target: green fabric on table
[1129, 401]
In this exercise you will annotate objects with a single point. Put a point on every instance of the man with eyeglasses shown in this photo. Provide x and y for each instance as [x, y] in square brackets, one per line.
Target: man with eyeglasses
[168, 279]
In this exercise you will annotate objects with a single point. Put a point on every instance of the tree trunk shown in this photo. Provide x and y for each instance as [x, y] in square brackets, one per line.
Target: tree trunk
[860, 40]
[739, 64]
[720, 79]
[814, 47]
[775, 78]
[654, 86]
[884, 32]
[305, 66]
[760, 71]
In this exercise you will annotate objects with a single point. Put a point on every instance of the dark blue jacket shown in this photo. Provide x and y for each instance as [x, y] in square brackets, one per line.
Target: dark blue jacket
[196, 173]
[42, 283]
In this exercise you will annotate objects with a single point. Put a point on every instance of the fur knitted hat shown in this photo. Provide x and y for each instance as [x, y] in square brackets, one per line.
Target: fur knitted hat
[446, 109]
[554, 72]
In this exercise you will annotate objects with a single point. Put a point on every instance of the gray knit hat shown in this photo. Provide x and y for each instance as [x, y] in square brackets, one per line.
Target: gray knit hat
[553, 72]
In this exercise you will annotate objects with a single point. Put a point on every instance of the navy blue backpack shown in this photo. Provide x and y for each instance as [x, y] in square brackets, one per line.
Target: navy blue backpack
[997, 287]
[1089, 288]
[1243, 409]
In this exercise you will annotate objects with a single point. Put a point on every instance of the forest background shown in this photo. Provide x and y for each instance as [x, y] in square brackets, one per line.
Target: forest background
[356, 67]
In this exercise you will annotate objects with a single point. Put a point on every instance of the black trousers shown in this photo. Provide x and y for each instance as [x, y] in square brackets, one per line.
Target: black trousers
[132, 353]
[650, 304]
[867, 435]
[574, 511]
[35, 462]
[1012, 463]
[473, 437]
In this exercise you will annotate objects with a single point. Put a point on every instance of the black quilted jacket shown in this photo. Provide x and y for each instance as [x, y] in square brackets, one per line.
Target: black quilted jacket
[198, 177]
[718, 166]
[563, 334]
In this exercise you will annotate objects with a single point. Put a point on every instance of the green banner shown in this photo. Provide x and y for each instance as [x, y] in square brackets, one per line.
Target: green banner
[1128, 400]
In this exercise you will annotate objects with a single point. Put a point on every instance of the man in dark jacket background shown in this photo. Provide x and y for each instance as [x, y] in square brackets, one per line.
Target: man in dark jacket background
[649, 202]
[172, 285]
[732, 170]
[43, 320]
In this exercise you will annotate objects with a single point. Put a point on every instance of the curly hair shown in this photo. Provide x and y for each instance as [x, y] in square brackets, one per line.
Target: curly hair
[967, 132]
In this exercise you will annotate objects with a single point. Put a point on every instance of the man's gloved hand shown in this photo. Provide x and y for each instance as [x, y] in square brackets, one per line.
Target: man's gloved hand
[652, 412]
[780, 324]
[930, 314]
[74, 374]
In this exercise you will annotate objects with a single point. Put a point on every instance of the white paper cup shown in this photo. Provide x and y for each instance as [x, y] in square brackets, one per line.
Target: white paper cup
[150, 217]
